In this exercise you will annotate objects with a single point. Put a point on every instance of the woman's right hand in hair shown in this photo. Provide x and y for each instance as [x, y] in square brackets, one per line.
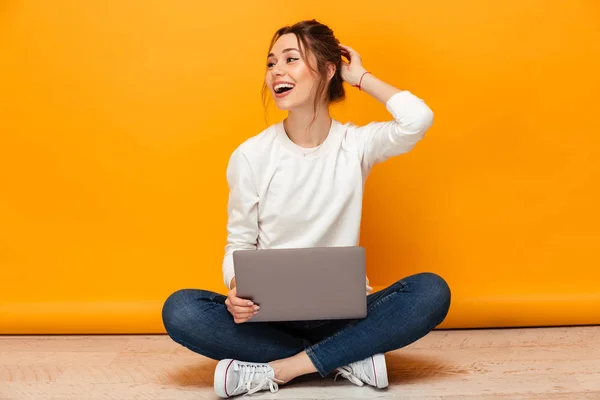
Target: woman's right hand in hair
[241, 309]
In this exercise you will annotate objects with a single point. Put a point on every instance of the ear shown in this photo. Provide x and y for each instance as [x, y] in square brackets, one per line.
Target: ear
[331, 69]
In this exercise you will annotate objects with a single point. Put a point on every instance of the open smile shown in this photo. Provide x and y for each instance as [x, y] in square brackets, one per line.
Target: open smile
[283, 89]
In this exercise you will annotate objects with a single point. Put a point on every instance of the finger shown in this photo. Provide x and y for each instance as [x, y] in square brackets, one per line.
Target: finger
[352, 54]
[245, 310]
[349, 49]
[242, 310]
[228, 302]
[237, 301]
[243, 316]
[240, 320]
[345, 52]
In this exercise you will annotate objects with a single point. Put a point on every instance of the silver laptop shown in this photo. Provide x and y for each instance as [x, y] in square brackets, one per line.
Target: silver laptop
[304, 283]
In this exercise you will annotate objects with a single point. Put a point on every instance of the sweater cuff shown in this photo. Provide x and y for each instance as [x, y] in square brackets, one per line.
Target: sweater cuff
[228, 270]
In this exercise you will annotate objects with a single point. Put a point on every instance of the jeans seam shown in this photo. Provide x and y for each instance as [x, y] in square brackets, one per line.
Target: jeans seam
[387, 297]
[381, 301]
[320, 369]
[317, 345]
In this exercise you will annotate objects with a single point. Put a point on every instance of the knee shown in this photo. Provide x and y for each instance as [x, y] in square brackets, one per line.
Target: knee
[175, 311]
[437, 287]
[437, 291]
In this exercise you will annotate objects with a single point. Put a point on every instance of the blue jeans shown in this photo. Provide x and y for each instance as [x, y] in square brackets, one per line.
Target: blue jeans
[396, 316]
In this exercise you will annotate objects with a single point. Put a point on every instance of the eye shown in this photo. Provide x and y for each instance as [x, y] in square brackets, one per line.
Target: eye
[290, 59]
[270, 64]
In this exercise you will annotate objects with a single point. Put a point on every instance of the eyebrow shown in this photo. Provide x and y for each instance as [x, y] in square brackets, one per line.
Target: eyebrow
[285, 51]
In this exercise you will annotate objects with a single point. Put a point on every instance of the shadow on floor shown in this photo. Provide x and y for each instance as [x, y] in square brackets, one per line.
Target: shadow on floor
[402, 368]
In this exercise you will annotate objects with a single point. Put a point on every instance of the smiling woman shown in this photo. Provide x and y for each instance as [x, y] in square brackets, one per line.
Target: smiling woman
[299, 184]
[324, 60]
[116, 129]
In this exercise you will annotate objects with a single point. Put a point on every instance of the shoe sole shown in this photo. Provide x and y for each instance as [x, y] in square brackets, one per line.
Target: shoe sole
[220, 379]
[380, 368]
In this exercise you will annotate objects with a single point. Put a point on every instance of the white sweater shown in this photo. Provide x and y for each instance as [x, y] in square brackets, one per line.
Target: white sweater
[284, 196]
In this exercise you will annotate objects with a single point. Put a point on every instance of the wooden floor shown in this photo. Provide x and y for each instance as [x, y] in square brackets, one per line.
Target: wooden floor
[537, 363]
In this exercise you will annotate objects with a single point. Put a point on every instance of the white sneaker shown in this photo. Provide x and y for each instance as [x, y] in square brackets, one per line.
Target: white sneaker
[371, 370]
[234, 377]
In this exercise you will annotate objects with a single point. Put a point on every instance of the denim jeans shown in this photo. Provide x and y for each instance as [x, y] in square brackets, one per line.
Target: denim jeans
[396, 316]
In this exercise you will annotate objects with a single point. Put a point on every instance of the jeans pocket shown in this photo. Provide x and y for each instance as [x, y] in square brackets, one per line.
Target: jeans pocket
[386, 294]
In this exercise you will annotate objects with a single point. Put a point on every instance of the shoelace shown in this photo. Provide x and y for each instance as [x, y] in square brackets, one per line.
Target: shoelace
[354, 373]
[251, 382]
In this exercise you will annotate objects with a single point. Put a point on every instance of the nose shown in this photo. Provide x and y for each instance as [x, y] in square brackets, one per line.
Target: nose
[277, 70]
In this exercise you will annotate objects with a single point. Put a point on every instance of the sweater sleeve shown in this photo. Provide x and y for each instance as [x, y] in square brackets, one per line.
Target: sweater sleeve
[378, 141]
[242, 209]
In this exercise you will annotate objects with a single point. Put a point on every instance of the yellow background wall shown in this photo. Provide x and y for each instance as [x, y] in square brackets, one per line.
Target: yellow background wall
[117, 120]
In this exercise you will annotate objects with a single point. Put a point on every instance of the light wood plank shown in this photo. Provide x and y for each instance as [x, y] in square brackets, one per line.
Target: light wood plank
[494, 364]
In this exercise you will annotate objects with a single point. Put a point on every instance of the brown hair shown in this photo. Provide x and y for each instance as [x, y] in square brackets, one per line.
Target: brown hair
[320, 41]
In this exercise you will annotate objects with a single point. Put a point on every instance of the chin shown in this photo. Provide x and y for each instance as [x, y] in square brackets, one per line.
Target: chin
[284, 107]
[287, 105]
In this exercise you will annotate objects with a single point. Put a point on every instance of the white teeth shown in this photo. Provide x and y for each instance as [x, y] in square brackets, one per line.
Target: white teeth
[283, 85]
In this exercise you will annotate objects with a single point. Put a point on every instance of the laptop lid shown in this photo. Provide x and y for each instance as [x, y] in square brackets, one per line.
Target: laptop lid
[303, 283]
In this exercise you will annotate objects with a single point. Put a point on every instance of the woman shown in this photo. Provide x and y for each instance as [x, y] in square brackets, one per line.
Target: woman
[299, 183]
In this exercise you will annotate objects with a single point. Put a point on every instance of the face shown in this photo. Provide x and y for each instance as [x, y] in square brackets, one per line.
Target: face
[289, 78]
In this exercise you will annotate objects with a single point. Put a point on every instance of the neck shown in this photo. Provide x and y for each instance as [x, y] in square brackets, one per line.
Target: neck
[300, 130]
